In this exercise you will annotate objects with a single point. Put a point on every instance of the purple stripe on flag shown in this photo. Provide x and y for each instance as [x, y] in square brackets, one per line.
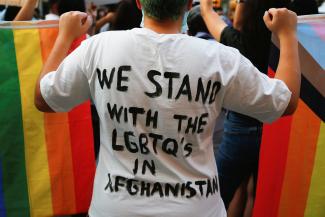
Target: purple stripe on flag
[312, 42]
[2, 202]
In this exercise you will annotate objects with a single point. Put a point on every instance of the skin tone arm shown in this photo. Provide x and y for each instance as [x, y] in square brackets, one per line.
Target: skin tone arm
[282, 23]
[212, 19]
[27, 11]
[72, 25]
[238, 18]
[108, 18]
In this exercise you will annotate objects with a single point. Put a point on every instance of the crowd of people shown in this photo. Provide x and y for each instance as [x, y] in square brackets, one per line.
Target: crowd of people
[177, 113]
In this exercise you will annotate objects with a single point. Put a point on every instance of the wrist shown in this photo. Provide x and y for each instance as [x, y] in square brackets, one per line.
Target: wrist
[287, 36]
[64, 40]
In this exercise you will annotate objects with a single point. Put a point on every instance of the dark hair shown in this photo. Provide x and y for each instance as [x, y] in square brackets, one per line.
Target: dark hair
[195, 21]
[304, 7]
[127, 16]
[254, 12]
[11, 13]
[71, 5]
[255, 34]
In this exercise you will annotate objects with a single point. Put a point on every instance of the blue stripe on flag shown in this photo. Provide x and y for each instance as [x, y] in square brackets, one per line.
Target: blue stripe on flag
[312, 42]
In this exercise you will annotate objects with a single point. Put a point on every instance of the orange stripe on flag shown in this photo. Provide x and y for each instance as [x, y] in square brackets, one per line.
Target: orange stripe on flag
[58, 142]
[300, 162]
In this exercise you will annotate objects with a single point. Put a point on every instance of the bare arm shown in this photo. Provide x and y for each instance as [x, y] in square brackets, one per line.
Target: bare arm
[282, 23]
[27, 11]
[72, 25]
[108, 18]
[212, 19]
[238, 18]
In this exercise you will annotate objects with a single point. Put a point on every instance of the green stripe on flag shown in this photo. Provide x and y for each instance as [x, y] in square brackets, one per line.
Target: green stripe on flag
[12, 150]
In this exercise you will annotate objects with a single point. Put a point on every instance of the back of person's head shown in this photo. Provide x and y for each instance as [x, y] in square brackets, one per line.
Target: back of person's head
[127, 16]
[164, 9]
[71, 5]
[195, 21]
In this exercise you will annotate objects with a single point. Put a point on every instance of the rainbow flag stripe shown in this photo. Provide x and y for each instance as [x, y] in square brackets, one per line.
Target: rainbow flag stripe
[47, 161]
[292, 158]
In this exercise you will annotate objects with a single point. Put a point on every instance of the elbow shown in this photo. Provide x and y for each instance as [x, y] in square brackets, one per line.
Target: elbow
[39, 101]
[41, 105]
[292, 107]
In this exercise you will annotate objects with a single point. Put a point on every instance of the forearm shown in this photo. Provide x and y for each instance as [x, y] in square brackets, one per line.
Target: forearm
[238, 18]
[27, 11]
[101, 22]
[57, 55]
[214, 23]
[289, 69]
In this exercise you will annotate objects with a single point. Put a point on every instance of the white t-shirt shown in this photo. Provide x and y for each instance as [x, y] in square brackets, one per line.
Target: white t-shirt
[158, 97]
[51, 16]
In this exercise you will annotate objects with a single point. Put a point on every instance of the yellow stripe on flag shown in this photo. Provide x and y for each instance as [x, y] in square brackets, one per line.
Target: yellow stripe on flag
[29, 61]
[315, 204]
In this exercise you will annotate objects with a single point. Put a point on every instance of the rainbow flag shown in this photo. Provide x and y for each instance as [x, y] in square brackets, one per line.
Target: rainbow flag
[291, 180]
[47, 161]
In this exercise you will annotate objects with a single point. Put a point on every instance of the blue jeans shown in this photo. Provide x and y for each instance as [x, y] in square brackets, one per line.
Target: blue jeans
[238, 153]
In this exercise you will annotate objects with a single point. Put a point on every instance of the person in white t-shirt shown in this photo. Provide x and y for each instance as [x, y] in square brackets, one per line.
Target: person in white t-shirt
[158, 93]
[53, 11]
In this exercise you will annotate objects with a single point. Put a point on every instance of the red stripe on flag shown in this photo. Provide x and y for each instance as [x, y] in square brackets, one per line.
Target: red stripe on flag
[83, 155]
[273, 157]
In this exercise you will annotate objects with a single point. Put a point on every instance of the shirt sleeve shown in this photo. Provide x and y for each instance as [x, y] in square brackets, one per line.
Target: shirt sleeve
[68, 86]
[252, 93]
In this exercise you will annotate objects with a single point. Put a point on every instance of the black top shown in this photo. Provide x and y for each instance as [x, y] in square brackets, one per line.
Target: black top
[255, 47]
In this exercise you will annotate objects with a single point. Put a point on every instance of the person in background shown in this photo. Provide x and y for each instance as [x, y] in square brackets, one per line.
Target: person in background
[53, 11]
[232, 9]
[321, 6]
[127, 16]
[104, 23]
[238, 154]
[196, 25]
